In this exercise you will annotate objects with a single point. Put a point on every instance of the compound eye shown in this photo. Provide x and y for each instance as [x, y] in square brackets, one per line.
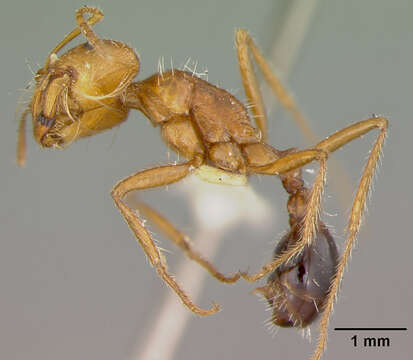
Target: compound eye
[44, 121]
[41, 128]
[297, 290]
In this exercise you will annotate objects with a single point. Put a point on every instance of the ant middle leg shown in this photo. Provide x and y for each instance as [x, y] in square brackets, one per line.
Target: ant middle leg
[181, 240]
[246, 46]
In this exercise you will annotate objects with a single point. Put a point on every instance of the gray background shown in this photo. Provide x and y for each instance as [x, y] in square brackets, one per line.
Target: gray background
[73, 283]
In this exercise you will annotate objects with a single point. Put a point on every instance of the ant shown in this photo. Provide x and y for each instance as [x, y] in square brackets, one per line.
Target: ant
[90, 88]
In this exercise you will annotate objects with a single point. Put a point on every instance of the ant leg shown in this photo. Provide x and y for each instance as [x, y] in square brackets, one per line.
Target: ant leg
[245, 45]
[284, 165]
[155, 177]
[250, 83]
[319, 152]
[84, 26]
[181, 240]
[330, 144]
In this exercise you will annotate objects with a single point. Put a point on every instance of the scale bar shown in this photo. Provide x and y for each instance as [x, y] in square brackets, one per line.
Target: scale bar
[370, 329]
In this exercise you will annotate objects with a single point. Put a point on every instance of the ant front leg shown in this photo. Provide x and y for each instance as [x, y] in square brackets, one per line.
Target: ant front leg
[146, 179]
[156, 177]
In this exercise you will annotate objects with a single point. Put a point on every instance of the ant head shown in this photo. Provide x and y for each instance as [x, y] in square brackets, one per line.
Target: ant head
[79, 94]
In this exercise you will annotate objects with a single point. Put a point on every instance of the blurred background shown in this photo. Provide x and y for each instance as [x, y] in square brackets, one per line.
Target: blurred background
[74, 284]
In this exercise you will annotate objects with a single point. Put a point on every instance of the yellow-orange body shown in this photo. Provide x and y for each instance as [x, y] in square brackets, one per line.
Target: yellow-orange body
[75, 98]
[198, 118]
[90, 89]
